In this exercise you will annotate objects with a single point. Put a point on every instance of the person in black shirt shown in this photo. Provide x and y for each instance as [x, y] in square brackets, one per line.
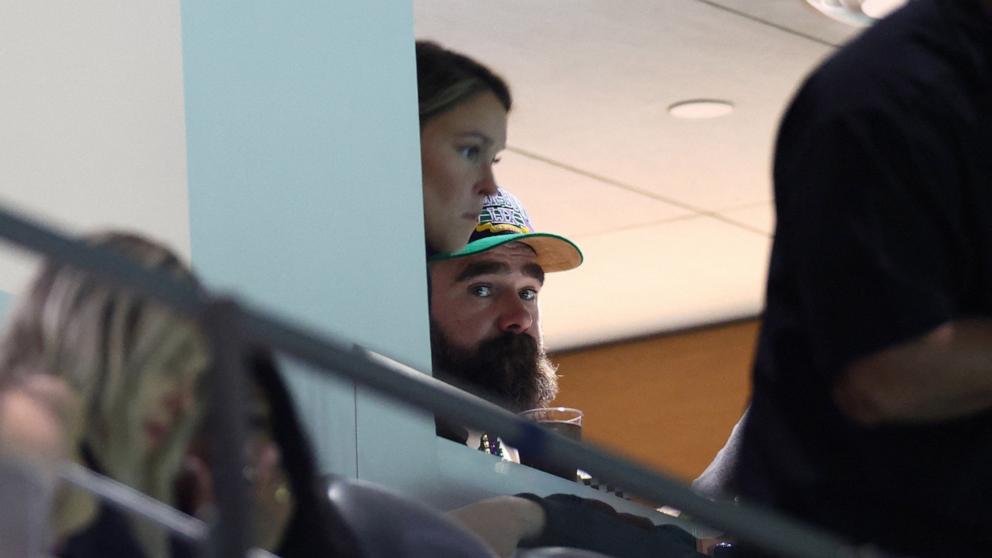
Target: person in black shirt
[872, 407]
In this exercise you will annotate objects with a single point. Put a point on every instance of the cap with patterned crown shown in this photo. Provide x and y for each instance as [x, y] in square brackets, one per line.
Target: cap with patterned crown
[503, 219]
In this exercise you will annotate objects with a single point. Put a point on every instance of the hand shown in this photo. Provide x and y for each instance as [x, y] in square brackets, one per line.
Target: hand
[501, 522]
[33, 417]
[705, 546]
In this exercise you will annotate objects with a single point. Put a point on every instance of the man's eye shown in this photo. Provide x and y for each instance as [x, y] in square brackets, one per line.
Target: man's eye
[528, 294]
[482, 291]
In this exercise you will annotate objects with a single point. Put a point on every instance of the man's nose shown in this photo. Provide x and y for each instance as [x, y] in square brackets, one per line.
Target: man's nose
[515, 315]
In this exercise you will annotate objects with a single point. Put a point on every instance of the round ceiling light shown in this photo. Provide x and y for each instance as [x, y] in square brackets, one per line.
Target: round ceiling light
[877, 9]
[698, 109]
[860, 13]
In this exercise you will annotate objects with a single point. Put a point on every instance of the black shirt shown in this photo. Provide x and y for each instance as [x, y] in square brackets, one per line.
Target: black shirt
[108, 535]
[883, 184]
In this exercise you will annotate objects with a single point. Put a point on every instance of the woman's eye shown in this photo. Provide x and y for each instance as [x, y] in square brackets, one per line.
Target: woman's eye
[528, 294]
[482, 291]
[470, 152]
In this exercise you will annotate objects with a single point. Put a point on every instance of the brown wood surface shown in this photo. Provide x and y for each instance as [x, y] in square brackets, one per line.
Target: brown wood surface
[667, 401]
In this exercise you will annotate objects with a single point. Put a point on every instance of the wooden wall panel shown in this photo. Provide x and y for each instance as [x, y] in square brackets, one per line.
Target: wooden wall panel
[667, 401]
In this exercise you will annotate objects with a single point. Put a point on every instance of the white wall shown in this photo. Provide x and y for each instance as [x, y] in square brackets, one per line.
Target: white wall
[92, 129]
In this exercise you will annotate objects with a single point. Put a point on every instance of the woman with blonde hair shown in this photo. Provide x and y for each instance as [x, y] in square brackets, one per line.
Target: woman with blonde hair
[134, 369]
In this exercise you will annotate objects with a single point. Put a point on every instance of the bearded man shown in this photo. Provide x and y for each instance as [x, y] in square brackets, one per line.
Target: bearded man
[485, 319]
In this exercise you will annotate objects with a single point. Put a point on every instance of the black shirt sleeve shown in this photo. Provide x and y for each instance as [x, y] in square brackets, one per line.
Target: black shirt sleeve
[867, 222]
[587, 524]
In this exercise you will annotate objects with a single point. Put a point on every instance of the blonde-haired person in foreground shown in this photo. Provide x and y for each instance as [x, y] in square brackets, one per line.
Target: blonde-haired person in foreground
[133, 370]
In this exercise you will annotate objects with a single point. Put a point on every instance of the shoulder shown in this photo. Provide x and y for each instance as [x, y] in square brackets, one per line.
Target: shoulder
[108, 535]
[903, 96]
[918, 61]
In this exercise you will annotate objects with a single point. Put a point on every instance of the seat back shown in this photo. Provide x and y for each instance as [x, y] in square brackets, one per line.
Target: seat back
[25, 495]
[385, 524]
[557, 552]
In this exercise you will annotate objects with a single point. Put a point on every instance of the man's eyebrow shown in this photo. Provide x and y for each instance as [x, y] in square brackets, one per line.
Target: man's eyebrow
[535, 271]
[476, 269]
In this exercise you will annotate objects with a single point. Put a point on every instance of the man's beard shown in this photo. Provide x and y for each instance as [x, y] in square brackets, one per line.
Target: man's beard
[510, 370]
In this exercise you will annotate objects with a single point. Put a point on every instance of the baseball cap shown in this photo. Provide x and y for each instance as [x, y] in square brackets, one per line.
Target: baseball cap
[503, 219]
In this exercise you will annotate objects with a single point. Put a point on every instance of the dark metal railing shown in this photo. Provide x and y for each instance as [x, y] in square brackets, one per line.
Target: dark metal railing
[230, 325]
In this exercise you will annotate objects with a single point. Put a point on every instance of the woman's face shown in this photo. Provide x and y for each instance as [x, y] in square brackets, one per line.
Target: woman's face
[169, 401]
[273, 503]
[457, 151]
[148, 416]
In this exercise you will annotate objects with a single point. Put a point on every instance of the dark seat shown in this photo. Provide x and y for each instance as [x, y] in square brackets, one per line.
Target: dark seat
[386, 525]
[557, 552]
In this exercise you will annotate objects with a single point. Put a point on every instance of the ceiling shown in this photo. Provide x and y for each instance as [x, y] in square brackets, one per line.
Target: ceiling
[674, 216]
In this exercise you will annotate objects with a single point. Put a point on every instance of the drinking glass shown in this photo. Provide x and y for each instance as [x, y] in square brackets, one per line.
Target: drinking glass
[561, 420]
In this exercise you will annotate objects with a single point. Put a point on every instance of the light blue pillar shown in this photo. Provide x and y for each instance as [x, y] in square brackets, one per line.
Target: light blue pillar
[304, 193]
[6, 301]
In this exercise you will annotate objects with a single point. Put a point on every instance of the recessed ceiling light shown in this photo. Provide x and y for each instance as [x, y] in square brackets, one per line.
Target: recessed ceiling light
[860, 13]
[880, 8]
[697, 109]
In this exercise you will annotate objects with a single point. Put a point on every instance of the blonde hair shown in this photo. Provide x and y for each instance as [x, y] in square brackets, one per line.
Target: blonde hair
[104, 341]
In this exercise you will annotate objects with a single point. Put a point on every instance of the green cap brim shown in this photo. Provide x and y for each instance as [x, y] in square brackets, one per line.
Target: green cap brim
[554, 253]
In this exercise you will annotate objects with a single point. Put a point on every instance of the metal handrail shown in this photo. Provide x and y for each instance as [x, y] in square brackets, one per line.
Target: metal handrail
[129, 500]
[761, 528]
